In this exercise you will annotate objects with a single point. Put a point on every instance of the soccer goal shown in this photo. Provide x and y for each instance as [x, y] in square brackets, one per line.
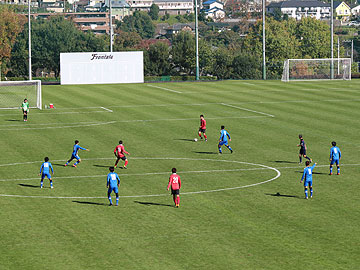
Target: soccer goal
[316, 69]
[13, 93]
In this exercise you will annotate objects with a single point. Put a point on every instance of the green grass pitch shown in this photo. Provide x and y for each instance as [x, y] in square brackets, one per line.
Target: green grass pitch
[256, 225]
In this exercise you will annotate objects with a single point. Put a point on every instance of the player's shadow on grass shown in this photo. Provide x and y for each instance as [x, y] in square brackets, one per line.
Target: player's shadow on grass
[90, 203]
[207, 153]
[187, 140]
[27, 185]
[312, 172]
[284, 161]
[281, 195]
[151, 203]
[13, 120]
[102, 166]
[58, 164]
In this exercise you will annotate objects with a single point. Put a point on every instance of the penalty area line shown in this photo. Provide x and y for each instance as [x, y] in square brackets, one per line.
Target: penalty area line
[244, 109]
[163, 88]
[106, 109]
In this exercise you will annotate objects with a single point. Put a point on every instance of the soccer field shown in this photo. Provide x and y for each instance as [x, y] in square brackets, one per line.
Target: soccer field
[244, 210]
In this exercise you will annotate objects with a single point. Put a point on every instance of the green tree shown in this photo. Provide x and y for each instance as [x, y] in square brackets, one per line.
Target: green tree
[157, 60]
[222, 64]
[11, 24]
[246, 66]
[206, 60]
[154, 12]
[125, 40]
[183, 53]
[140, 22]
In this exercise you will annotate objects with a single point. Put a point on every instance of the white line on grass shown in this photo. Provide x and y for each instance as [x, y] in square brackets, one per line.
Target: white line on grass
[244, 109]
[70, 126]
[249, 83]
[163, 88]
[166, 194]
[106, 109]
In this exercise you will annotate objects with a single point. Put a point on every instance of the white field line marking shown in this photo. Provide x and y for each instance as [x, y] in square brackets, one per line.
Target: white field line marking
[106, 109]
[163, 88]
[49, 124]
[70, 126]
[157, 195]
[244, 109]
[45, 114]
[249, 83]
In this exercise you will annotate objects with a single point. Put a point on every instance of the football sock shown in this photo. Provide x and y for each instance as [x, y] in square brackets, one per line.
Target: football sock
[306, 193]
[300, 159]
[205, 137]
[76, 163]
[338, 169]
[110, 200]
[41, 183]
[178, 200]
[330, 169]
[308, 158]
[51, 183]
[229, 147]
[311, 192]
[220, 151]
[117, 200]
[126, 163]
[174, 198]
[200, 134]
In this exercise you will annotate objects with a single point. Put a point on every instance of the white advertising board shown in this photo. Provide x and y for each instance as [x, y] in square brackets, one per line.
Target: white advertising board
[101, 67]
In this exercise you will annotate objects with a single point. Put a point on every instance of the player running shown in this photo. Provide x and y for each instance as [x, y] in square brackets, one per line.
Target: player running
[75, 154]
[307, 175]
[175, 183]
[120, 154]
[25, 109]
[113, 184]
[303, 149]
[202, 128]
[335, 156]
[224, 135]
[45, 171]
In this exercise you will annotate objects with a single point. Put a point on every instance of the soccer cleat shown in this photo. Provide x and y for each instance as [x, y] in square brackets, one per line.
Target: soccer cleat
[110, 204]
[51, 187]
[41, 187]
[65, 165]
[306, 198]
[74, 165]
[331, 173]
[125, 167]
[205, 140]
[231, 151]
[115, 166]
[311, 197]
[338, 173]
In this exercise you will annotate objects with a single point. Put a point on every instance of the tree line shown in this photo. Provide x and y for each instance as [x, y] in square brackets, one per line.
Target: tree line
[226, 54]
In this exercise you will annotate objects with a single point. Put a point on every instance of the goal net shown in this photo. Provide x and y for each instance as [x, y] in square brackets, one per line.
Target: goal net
[13, 93]
[317, 69]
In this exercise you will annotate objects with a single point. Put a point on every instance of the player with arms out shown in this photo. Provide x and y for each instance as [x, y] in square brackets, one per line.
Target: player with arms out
[202, 128]
[75, 154]
[120, 154]
[303, 149]
[307, 176]
[175, 183]
[224, 135]
[335, 156]
[25, 109]
[113, 184]
[45, 171]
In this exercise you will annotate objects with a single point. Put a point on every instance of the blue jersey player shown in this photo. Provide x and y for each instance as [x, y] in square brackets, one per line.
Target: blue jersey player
[45, 171]
[113, 183]
[335, 156]
[224, 136]
[75, 154]
[307, 177]
[303, 148]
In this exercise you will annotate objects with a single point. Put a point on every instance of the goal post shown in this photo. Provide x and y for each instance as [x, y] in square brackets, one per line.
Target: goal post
[316, 69]
[13, 93]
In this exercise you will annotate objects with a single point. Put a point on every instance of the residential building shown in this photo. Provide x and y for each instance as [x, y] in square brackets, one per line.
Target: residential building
[214, 9]
[175, 7]
[342, 10]
[298, 9]
[355, 9]
[178, 27]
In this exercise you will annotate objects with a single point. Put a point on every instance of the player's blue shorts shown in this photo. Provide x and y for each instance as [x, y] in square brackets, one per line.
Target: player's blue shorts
[334, 161]
[111, 189]
[308, 183]
[45, 174]
[223, 142]
[74, 156]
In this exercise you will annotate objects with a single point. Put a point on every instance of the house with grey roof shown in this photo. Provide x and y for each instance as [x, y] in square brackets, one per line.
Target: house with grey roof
[298, 9]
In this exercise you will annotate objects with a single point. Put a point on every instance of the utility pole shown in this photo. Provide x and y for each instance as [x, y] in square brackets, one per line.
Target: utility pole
[263, 39]
[197, 40]
[332, 39]
[29, 24]
[111, 28]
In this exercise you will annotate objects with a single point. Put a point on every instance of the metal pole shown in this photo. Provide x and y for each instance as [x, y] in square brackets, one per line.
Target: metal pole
[332, 39]
[29, 23]
[263, 39]
[352, 50]
[197, 40]
[338, 55]
[64, 6]
[111, 28]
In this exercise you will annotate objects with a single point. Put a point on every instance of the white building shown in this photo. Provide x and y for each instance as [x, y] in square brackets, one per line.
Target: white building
[214, 9]
[301, 9]
[175, 7]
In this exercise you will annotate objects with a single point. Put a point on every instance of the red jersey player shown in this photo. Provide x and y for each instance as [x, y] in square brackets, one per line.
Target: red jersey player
[120, 154]
[202, 127]
[175, 183]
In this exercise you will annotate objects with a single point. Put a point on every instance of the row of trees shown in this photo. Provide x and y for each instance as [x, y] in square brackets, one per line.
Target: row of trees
[225, 54]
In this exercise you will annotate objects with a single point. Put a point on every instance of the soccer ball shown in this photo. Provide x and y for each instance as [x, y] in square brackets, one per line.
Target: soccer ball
[195, 140]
